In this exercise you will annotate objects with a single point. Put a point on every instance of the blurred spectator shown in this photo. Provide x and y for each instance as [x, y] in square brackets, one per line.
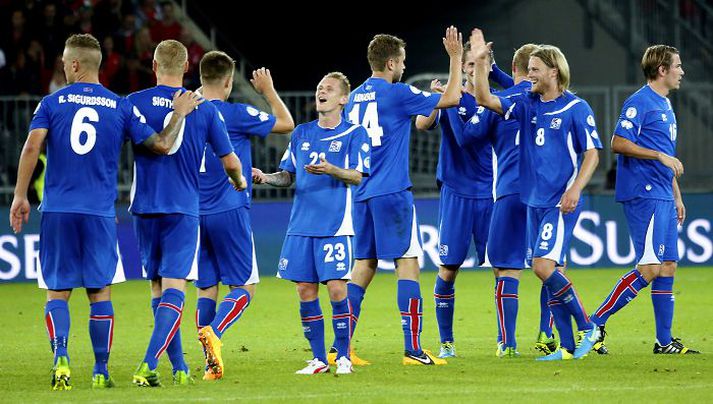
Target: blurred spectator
[126, 35]
[108, 17]
[15, 36]
[58, 79]
[20, 78]
[148, 12]
[50, 33]
[168, 27]
[84, 25]
[195, 53]
[111, 62]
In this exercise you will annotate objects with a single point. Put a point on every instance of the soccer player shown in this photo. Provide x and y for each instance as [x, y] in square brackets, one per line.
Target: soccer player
[84, 125]
[227, 251]
[165, 205]
[325, 157]
[647, 187]
[556, 129]
[465, 178]
[384, 215]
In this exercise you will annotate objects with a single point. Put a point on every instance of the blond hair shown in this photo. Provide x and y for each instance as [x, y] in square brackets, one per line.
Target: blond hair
[171, 57]
[342, 79]
[656, 56]
[85, 48]
[553, 58]
[216, 66]
[382, 48]
[522, 56]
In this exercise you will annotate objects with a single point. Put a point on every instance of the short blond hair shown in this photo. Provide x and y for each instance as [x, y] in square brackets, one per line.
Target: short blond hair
[342, 79]
[216, 66]
[521, 58]
[382, 48]
[553, 58]
[171, 57]
[656, 56]
[86, 49]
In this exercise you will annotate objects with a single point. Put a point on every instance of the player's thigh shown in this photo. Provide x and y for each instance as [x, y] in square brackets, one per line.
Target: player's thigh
[232, 239]
[61, 247]
[333, 257]
[100, 258]
[669, 229]
[179, 237]
[364, 236]
[554, 233]
[297, 262]
[456, 218]
[396, 226]
[208, 270]
[147, 230]
[652, 226]
[482, 213]
[507, 234]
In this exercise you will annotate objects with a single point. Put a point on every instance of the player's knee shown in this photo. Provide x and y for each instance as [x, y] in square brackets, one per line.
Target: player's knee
[307, 291]
[99, 295]
[337, 290]
[448, 272]
[668, 268]
[650, 272]
[543, 268]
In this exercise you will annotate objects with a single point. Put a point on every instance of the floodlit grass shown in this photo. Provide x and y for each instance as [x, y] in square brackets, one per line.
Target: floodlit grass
[264, 348]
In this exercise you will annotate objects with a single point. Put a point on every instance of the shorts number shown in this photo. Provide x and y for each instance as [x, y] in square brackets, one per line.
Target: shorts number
[179, 139]
[79, 127]
[336, 251]
[540, 138]
[316, 156]
[370, 122]
[547, 231]
[673, 131]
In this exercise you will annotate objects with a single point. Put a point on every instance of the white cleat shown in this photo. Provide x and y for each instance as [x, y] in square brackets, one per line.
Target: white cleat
[313, 367]
[344, 366]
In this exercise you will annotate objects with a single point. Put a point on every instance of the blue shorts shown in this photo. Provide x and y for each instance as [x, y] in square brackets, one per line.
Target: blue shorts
[460, 219]
[168, 244]
[653, 225]
[507, 236]
[227, 250]
[549, 233]
[315, 259]
[386, 227]
[78, 251]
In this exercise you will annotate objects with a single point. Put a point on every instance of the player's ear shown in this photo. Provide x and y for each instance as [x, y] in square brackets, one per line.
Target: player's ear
[185, 67]
[154, 66]
[662, 70]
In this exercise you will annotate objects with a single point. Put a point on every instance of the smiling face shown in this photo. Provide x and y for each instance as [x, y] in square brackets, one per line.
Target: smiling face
[541, 76]
[330, 95]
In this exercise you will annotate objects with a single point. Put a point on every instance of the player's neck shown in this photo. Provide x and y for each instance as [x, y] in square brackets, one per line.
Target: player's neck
[330, 119]
[659, 88]
[210, 93]
[383, 75]
[519, 79]
[169, 81]
[89, 78]
[551, 94]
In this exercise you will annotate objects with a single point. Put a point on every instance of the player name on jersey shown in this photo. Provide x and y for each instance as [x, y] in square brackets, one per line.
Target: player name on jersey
[87, 100]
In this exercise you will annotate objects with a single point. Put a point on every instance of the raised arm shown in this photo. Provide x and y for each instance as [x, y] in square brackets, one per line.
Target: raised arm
[183, 104]
[628, 148]
[262, 81]
[570, 199]
[20, 209]
[481, 50]
[281, 179]
[426, 122]
[453, 42]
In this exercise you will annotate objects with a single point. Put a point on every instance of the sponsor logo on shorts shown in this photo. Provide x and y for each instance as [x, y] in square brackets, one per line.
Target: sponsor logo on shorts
[544, 245]
[341, 266]
[282, 265]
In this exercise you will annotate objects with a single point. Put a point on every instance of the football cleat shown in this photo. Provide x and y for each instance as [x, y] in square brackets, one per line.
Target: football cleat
[599, 346]
[356, 361]
[426, 358]
[209, 375]
[99, 381]
[559, 355]
[145, 377]
[314, 367]
[508, 352]
[212, 348]
[674, 347]
[182, 378]
[545, 344]
[61, 374]
[586, 342]
[448, 350]
[344, 366]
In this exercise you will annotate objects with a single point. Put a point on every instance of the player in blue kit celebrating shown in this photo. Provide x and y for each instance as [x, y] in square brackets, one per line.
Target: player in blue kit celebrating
[325, 157]
[556, 129]
[85, 126]
[384, 215]
[165, 205]
[227, 251]
[646, 185]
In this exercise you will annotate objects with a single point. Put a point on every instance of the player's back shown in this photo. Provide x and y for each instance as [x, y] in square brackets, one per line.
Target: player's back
[385, 109]
[169, 183]
[85, 125]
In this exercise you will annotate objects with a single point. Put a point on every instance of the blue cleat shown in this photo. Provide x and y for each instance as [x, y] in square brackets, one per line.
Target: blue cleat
[448, 350]
[558, 355]
[587, 342]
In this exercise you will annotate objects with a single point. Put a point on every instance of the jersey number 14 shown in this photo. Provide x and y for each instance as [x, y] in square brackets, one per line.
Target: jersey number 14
[370, 122]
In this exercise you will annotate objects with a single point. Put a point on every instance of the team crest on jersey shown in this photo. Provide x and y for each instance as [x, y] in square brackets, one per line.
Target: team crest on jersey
[462, 111]
[631, 112]
[443, 250]
[556, 123]
[335, 146]
[88, 90]
[282, 265]
[544, 245]
[590, 120]
[305, 146]
[664, 117]
[341, 266]
[626, 124]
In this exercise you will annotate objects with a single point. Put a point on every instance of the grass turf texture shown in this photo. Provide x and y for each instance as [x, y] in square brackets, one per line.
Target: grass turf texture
[264, 348]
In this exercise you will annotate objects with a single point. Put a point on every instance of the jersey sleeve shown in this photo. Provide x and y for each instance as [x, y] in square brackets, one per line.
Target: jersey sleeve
[41, 117]
[288, 162]
[584, 129]
[217, 133]
[248, 119]
[414, 101]
[501, 78]
[135, 126]
[513, 106]
[360, 151]
[630, 120]
[478, 126]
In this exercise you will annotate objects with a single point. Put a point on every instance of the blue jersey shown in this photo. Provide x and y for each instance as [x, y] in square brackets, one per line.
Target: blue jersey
[323, 204]
[242, 121]
[169, 183]
[86, 126]
[505, 138]
[647, 119]
[385, 109]
[465, 165]
[552, 135]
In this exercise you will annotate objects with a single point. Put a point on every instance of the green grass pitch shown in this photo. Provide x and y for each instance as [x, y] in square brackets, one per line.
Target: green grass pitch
[264, 348]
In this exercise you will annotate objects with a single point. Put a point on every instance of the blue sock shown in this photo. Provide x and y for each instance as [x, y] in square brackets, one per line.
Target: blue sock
[410, 304]
[563, 321]
[175, 347]
[205, 312]
[230, 310]
[355, 294]
[546, 317]
[313, 327]
[101, 332]
[445, 296]
[624, 291]
[562, 289]
[662, 298]
[167, 326]
[506, 301]
[341, 321]
[497, 319]
[57, 322]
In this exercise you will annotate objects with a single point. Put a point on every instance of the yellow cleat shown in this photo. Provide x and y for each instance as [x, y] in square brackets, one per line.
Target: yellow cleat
[61, 374]
[356, 361]
[211, 346]
[426, 358]
[209, 375]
